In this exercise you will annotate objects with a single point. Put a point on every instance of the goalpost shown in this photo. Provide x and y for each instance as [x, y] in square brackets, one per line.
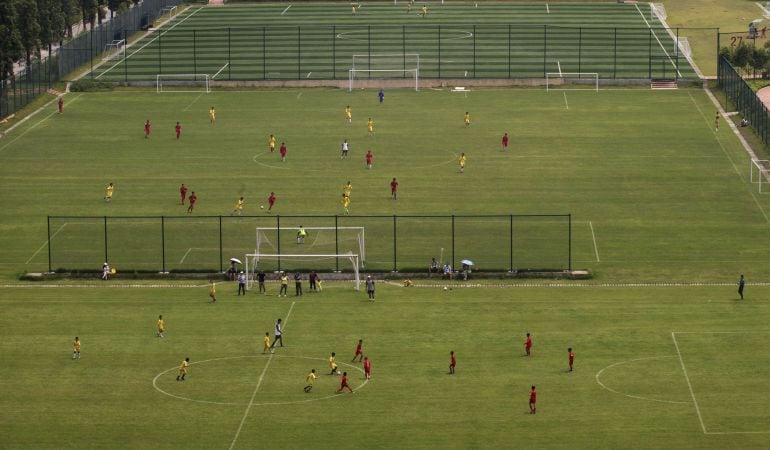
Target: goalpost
[253, 261]
[186, 82]
[316, 238]
[114, 50]
[759, 173]
[572, 81]
[381, 66]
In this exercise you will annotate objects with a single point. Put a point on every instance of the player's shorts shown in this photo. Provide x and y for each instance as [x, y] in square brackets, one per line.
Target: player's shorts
[343, 385]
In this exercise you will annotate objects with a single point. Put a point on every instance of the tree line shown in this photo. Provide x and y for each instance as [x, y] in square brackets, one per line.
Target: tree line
[28, 26]
[748, 59]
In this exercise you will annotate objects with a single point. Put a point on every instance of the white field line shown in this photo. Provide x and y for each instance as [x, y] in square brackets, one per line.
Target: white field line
[547, 9]
[558, 64]
[308, 74]
[220, 70]
[185, 255]
[689, 385]
[745, 144]
[724, 332]
[299, 95]
[35, 125]
[599, 374]
[259, 383]
[565, 100]
[593, 236]
[284, 11]
[193, 102]
[675, 39]
[46, 243]
[148, 42]
[673, 64]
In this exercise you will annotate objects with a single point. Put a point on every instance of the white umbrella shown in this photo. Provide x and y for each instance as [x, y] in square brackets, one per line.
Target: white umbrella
[467, 262]
[236, 260]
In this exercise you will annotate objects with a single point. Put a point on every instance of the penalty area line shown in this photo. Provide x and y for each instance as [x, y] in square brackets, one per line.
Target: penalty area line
[220, 70]
[593, 236]
[259, 383]
[185, 255]
[284, 11]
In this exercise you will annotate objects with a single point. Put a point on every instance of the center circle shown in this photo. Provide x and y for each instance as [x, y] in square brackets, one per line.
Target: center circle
[314, 399]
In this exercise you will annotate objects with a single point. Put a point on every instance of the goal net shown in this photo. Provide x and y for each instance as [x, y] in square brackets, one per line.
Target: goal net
[575, 81]
[276, 263]
[114, 50]
[759, 174]
[382, 66]
[684, 47]
[320, 240]
[193, 82]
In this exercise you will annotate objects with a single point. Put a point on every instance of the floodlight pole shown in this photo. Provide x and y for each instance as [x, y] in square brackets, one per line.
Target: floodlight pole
[163, 243]
[49, 245]
[336, 245]
[106, 259]
[221, 269]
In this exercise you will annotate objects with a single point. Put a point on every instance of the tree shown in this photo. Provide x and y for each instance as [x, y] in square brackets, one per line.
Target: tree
[51, 21]
[10, 39]
[759, 59]
[741, 56]
[88, 9]
[71, 12]
[29, 28]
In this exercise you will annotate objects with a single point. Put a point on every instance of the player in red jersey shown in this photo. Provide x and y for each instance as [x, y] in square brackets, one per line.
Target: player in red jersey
[452, 362]
[344, 383]
[528, 344]
[61, 105]
[571, 358]
[183, 192]
[193, 199]
[270, 201]
[394, 189]
[359, 351]
[367, 368]
[532, 401]
[147, 129]
[178, 129]
[505, 142]
[283, 151]
[369, 158]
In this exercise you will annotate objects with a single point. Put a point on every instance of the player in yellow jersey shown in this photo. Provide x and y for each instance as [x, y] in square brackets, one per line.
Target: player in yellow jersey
[266, 343]
[347, 188]
[161, 326]
[271, 143]
[333, 364]
[349, 114]
[183, 369]
[424, 11]
[108, 193]
[212, 115]
[345, 203]
[213, 291]
[370, 126]
[76, 348]
[461, 160]
[354, 10]
[311, 377]
[238, 209]
[467, 118]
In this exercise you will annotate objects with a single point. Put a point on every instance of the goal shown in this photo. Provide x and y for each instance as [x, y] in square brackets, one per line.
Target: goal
[572, 81]
[658, 10]
[328, 240]
[114, 50]
[382, 66]
[269, 261]
[193, 82]
[759, 174]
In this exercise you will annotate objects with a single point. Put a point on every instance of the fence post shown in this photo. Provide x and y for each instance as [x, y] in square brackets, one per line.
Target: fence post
[49, 244]
[510, 240]
[395, 265]
[545, 50]
[278, 239]
[403, 44]
[106, 255]
[221, 269]
[336, 245]
[160, 58]
[649, 53]
[580, 49]
[474, 51]
[299, 51]
[163, 244]
[615, 53]
[509, 50]
[439, 51]
[676, 75]
[569, 244]
[453, 240]
[229, 56]
[264, 68]
[334, 52]
[195, 56]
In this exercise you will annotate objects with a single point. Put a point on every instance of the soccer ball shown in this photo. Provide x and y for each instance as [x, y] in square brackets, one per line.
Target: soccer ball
[446, 288]
[261, 206]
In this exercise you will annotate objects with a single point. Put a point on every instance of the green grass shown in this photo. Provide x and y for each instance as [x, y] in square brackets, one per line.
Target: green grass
[666, 197]
[317, 41]
[624, 335]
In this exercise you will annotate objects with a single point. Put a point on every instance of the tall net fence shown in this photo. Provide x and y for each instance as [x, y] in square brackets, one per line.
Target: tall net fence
[743, 98]
[392, 243]
[463, 50]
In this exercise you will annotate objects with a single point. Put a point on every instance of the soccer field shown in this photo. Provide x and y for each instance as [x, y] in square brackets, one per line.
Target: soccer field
[317, 41]
[656, 196]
